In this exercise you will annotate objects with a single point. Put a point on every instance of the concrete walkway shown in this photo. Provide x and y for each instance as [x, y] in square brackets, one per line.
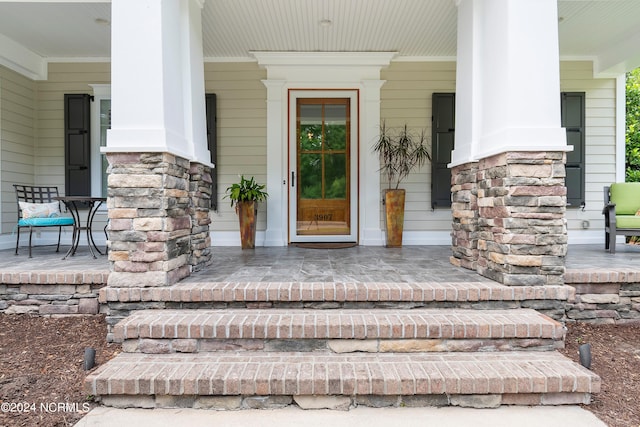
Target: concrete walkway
[551, 416]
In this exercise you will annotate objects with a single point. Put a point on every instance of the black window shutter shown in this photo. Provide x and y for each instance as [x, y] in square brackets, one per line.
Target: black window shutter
[77, 144]
[573, 120]
[443, 131]
[212, 143]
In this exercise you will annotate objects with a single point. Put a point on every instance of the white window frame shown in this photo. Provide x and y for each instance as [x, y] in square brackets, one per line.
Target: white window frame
[100, 92]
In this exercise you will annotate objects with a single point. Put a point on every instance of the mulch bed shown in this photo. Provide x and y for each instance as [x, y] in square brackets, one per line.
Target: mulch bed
[41, 368]
[615, 352]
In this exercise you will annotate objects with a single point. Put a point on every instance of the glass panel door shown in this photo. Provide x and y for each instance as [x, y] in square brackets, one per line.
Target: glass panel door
[323, 164]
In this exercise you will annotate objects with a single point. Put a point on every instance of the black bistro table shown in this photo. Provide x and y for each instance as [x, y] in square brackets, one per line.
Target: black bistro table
[73, 204]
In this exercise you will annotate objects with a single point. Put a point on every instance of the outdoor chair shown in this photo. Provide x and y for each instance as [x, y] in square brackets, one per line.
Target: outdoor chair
[38, 208]
[621, 212]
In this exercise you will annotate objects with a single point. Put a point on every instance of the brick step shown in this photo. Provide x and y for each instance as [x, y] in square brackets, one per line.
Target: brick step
[275, 292]
[380, 330]
[232, 380]
[299, 292]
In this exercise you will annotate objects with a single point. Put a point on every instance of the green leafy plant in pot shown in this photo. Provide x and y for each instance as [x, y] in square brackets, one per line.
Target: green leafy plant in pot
[245, 195]
[400, 151]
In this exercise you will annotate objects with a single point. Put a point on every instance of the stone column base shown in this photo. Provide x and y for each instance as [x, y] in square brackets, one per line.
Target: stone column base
[522, 228]
[464, 207]
[200, 193]
[509, 217]
[150, 221]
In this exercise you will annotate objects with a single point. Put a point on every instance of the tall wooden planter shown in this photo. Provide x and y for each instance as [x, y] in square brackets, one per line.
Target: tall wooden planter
[247, 213]
[394, 206]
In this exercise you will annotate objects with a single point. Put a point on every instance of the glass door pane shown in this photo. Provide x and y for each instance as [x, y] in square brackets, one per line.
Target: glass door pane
[323, 182]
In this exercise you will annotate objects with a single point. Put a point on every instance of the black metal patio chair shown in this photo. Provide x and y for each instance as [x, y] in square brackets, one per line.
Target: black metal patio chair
[37, 207]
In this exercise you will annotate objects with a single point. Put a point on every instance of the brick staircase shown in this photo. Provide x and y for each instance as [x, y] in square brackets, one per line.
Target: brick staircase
[338, 345]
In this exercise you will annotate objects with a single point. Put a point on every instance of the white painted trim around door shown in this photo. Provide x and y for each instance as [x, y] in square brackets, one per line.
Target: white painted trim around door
[342, 70]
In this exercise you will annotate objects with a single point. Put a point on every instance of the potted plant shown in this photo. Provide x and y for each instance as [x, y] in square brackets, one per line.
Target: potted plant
[400, 152]
[245, 195]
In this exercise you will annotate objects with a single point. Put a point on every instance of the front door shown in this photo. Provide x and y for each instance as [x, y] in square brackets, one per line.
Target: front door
[322, 197]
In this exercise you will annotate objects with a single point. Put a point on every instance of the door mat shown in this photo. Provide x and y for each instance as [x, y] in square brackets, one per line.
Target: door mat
[325, 245]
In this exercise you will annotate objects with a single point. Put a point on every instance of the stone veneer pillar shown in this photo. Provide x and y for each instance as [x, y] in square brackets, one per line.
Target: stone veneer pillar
[522, 234]
[464, 207]
[150, 223]
[200, 193]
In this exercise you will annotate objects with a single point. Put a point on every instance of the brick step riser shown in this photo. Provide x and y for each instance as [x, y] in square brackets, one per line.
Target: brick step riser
[119, 311]
[165, 346]
[123, 308]
[340, 402]
[335, 292]
[521, 377]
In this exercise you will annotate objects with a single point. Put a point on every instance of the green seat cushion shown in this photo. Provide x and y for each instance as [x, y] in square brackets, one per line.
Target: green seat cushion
[45, 222]
[626, 196]
[628, 221]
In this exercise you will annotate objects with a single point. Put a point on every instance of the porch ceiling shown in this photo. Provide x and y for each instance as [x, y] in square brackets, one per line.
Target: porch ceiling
[606, 31]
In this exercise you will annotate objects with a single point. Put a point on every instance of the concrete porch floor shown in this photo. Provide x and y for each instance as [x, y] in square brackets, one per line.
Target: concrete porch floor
[356, 264]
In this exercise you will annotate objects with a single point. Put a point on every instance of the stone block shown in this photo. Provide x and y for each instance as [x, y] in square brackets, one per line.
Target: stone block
[88, 306]
[146, 257]
[220, 403]
[295, 345]
[377, 401]
[122, 213]
[521, 399]
[130, 346]
[115, 401]
[266, 402]
[411, 346]
[43, 297]
[533, 170]
[82, 290]
[169, 401]
[131, 180]
[477, 401]
[207, 345]
[600, 298]
[425, 401]
[184, 345]
[524, 260]
[582, 315]
[613, 314]
[21, 309]
[341, 403]
[565, 399]
[127, 279]
[352, 346]
[58, 309]
[147, 224]
[154, 346]
[120, 224]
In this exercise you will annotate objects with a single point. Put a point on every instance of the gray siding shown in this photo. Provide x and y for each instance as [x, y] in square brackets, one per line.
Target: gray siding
[242, 132]
[17, 140]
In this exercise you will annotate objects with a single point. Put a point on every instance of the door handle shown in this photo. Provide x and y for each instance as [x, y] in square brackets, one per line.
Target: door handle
[293, 179]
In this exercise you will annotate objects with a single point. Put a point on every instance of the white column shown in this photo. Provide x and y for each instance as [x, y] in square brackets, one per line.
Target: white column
[370, 195]
[157, 81]
[193, 62]
[277, 180]
[467, 84]
[508, 87]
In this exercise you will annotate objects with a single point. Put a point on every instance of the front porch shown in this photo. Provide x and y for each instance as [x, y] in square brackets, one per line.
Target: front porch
[607, 284]
[359, 263]
[333, 328]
